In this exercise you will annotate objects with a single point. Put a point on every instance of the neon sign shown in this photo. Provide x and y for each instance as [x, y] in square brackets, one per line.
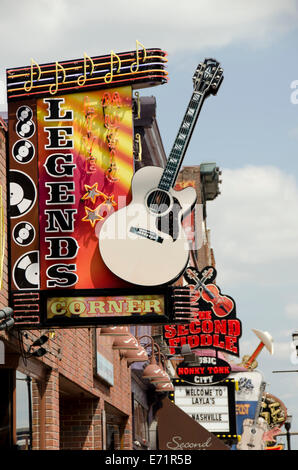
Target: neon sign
[140, 68]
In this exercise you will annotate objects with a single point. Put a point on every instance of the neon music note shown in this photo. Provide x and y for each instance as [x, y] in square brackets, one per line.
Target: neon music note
[29, 84]
[111, 73]
[54, 87]
[137, 62]
[82, 78]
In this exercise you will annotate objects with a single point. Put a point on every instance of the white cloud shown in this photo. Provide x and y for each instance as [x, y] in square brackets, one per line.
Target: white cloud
[282, 351]
[254, 223]
[72, 25]
[292, 311]
[49, 30]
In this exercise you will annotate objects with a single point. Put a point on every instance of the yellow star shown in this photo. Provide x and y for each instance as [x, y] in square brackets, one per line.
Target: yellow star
[91, 216]
[109, 202]
[92, 192]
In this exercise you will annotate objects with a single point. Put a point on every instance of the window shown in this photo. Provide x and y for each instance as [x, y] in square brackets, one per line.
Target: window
[140, 423]
[23, 411]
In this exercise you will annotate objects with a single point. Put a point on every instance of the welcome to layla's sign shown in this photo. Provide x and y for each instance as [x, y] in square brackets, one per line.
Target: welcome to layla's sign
[214, 323]
[213, 406]
[70, 166]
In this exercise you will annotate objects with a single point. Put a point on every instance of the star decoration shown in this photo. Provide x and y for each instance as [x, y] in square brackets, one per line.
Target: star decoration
[92, 192]
[109, 202]
[91, 216]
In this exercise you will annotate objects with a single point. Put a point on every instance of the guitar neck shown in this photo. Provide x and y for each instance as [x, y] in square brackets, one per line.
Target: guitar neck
[259, 404]
[182, 140]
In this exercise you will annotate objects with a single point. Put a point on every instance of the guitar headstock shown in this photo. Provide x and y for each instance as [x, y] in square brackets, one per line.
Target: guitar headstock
[208, 77]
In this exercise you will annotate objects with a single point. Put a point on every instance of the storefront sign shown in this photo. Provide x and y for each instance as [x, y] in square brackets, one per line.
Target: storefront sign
[273, 410]
[70, 166]
[104, 369]
[179, 432]
[106, 307]
[247, 395]
[206, 370]
[60, 195]
[211, 406]
[214, 322]
[114, 306]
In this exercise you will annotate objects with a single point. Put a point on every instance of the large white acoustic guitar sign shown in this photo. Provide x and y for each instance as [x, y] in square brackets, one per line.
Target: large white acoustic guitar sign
[144, 242]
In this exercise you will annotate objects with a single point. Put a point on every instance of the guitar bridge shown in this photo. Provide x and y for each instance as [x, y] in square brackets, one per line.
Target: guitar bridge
[142, 232]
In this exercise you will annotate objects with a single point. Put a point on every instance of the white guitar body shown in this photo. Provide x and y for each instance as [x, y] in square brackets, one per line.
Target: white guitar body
[252, 436]
[130, 242]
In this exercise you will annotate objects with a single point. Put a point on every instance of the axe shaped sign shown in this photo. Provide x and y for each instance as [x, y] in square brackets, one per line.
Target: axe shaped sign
[265, 340]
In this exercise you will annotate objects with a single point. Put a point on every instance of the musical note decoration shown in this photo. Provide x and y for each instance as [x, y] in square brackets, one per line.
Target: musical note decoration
[82, 78]
[140, 68]
[54, 87]
[29, 84]
[110, 74]
[137, 62]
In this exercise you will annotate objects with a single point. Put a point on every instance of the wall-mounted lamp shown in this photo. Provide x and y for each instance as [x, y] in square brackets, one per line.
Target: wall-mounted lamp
[40, 351]
[139, 355]
[164, 387]
[153, 371]
[125, 342]
[6, 320]
[114, 331]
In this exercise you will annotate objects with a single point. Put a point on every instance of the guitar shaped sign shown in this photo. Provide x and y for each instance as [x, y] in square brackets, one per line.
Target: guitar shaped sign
[254, 429]
[144, 242]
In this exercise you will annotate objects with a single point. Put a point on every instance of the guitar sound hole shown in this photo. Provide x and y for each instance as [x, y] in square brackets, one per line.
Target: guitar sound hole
[158, 202]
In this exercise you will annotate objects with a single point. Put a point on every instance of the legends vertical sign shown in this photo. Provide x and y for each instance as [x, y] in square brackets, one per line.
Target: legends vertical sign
[70, 166]
[85, 169]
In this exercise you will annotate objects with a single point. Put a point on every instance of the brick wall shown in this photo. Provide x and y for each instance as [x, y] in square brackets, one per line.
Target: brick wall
[4, 289]
[73, 406]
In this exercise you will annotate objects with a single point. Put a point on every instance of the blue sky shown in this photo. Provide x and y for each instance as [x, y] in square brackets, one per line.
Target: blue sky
[250, 129]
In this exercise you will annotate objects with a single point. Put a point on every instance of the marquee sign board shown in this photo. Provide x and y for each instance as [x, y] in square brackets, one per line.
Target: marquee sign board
[70, 166]
[211, 316]
[212, 406]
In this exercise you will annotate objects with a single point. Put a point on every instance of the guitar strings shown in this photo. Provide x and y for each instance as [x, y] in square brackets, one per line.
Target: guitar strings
[189, 119]
[161, 194]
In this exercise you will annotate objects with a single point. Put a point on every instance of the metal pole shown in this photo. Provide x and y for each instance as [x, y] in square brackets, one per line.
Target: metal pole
[289, 440]
[29, 380]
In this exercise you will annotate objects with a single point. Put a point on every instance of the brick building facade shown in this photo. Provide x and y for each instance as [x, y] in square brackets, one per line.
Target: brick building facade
[64, 399]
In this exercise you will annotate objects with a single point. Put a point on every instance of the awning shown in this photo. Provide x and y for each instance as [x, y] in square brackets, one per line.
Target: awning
[177, 431]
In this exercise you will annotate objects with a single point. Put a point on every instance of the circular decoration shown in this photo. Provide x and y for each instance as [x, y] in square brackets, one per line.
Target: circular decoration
[24, 113]
[22, 193]
[23, 233]
[26, 271]
[25, 127]
[23, 151]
